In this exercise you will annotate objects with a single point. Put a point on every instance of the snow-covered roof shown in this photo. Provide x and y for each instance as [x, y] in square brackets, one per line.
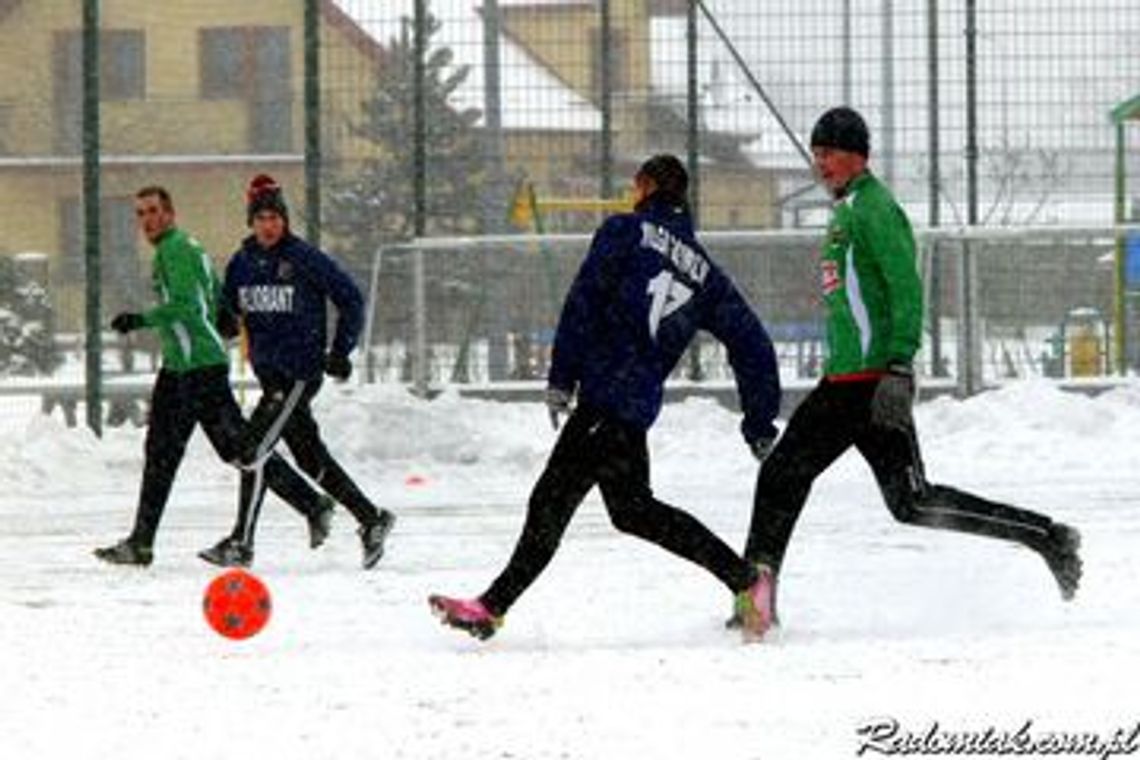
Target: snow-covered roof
[532, 97]
[728, 103]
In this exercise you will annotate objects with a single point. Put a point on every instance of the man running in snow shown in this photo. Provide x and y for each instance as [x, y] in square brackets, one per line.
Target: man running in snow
[193, 386]
[278, 285]
[873, 299]
[644, 289]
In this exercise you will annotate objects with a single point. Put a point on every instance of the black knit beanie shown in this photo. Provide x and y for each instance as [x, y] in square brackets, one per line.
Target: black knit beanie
[264, 194]
[842, 128]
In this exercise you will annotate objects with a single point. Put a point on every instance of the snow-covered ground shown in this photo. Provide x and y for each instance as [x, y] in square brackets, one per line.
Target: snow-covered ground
[618, 651]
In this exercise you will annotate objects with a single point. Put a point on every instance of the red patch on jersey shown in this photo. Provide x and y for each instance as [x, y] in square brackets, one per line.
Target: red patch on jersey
[829, 276]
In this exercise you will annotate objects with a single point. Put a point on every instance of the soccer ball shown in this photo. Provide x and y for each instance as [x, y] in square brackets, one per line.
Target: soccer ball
[237, 604]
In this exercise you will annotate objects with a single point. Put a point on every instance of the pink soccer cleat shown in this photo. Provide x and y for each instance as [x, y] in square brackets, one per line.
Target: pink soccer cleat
[465, 614]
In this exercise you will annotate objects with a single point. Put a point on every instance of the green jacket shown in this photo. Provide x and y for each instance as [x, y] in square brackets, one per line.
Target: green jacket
[871, 288]
[187, 289]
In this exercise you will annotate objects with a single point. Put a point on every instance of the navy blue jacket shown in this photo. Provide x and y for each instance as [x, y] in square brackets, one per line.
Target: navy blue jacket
[282, 294]
[644, 289]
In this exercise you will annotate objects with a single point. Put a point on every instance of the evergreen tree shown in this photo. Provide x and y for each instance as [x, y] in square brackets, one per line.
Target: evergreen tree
[376, 203]
[27, 344]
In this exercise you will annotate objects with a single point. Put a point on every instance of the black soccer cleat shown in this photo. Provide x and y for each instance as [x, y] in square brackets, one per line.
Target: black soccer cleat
[126, 552]
[229, 552]
[320, 521]
[1061, 554]
[372, 538]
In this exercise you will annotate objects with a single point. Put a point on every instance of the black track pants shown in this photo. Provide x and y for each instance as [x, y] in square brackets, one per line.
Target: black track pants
[179, 402]
[595, 450]
[836, 416]
[284, 413]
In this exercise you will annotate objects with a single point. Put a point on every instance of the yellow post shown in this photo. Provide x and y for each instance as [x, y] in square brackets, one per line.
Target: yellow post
[526, 205]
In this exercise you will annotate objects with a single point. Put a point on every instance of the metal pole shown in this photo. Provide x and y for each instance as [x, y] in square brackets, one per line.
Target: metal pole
[971, 113]
[419, 193]
[419, 356]
[494, 149]
[846, 52]
[693, 137]
[970, 360]
[419, 120]
[313, 121]
[494, 201]
[888, 74]
[934, 218]
[92, 236]
[693, 149]
[607, 85]
[370, 315]
[1120, 310]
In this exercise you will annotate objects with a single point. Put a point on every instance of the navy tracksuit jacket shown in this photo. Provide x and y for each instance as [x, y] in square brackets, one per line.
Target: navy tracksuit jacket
[644, 289]
[282, 295]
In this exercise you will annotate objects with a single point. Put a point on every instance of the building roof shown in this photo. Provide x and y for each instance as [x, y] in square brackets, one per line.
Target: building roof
[728, 103]
[532, 97]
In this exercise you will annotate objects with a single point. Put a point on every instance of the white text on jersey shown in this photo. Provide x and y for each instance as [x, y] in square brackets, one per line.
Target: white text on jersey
[689, 262]
[266, 298]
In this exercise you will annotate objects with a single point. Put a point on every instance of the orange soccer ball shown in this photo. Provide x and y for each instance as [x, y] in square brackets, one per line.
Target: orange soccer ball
[237, 604]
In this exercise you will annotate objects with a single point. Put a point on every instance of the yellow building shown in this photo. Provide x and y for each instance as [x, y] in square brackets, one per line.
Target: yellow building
[194, 96]
[200, 96]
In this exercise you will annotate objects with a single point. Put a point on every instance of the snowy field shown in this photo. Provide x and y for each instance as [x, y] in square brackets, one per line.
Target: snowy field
[618, 651]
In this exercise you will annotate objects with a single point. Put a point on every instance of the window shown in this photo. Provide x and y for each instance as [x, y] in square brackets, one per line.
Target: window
[122, 65]
[122, 76]
[243, 62]
[251, 63]
[223, 63]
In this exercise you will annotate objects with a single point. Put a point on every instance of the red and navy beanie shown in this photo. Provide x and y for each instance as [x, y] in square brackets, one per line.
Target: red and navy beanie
[264, 194]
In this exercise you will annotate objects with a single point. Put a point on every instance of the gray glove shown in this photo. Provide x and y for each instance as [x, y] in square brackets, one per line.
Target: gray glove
[557, 404]
[891, 404]
[762, 447]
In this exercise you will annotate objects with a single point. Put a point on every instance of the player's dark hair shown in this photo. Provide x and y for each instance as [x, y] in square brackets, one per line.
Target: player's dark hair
[159, 192]
[670, 178]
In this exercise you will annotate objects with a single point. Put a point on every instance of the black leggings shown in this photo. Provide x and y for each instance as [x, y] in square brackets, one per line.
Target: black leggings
[179, 402]
[593, 449]
[836, 416]
[285, 412]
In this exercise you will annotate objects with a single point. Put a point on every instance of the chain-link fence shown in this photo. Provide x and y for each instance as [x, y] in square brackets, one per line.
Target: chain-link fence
[387, 120]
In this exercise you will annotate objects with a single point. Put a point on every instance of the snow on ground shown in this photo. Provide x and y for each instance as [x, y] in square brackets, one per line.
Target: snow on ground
[618, 650]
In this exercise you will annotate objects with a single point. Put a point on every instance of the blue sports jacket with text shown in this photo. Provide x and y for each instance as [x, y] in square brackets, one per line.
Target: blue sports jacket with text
[282, 294]
[644, 289]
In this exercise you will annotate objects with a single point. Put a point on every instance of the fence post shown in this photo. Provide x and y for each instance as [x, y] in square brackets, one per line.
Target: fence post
[419, 355]
[313, 122]
[370, 315]
[970, 379]
[605, 55]
[92, 235]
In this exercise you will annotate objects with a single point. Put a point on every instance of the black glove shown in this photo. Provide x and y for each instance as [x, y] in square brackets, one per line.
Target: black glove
[127, 321]
[557, 404]
[891, 404]
[762, 447]
[227, 323]
[337, 366]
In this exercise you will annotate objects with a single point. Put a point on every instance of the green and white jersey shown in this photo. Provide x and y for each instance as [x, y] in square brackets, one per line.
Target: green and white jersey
[187, 289]
[869, 276]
